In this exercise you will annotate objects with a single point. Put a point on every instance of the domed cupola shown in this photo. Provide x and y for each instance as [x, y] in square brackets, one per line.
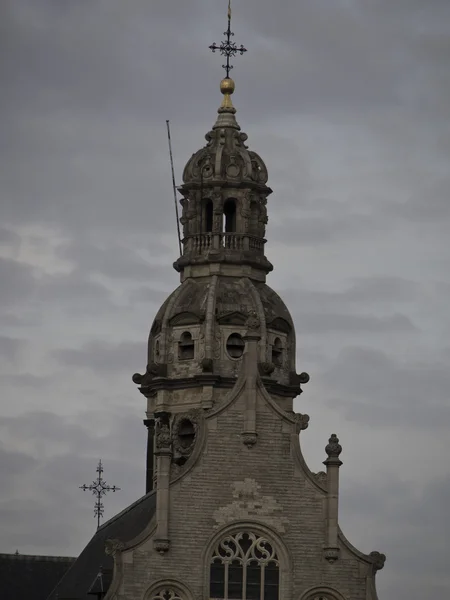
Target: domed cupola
[224, 201]
[199, 338]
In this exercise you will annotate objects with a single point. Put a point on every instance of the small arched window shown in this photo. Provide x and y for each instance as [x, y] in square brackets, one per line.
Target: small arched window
[277, 352]
[207, 215]
[244, 566]
[229, 213]
[157, 351]
[186, 346]
[235, 345]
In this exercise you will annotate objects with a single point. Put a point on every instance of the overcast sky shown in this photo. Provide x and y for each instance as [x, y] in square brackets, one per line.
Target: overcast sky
[347, 101]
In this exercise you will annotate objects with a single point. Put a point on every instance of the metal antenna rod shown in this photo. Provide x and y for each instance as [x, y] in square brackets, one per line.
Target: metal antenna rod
[174, 187]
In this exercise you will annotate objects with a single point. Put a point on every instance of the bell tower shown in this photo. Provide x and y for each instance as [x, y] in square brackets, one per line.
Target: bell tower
[239, 515]
[231, 510]
[224, 203]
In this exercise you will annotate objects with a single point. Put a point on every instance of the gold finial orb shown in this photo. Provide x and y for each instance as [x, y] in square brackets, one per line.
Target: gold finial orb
[227, 86]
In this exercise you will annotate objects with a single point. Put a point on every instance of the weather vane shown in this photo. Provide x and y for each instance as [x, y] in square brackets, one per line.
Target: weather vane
[228, 48]
[99, 489]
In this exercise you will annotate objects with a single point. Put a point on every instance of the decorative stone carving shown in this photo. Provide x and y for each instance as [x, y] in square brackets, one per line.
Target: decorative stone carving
[301, 422]
[166, 593]
[331, 554]
[321, 477]
[378, 560]
[163, 437]
[137, 378]
[156, 327]
[296, 379]
[113, 546]
[333, 448]
[217, 348]
[249, 438]
[170, 354]
[207, 365]
[253, 321]
[161, 546]
[153, 370]
[266, 368]
[180, 449]
[247, 503]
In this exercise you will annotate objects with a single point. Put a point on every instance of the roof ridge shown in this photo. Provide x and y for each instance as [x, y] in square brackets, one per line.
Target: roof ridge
[125, 510]
[37, 557]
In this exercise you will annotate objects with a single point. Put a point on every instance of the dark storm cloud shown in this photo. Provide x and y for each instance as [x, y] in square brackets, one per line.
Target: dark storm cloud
[17, 282]
[48, 514]
[319, 323]
[363, 291]
[10, 348]
[379, 390]
[75, 290]
[27, 380]
[404, 518]
[9, 239]
[115, 260]
[103, 357]
[14, 464]
[346, 102]
[147, 295]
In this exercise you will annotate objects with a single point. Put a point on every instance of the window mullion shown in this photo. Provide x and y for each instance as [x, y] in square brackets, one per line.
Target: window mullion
[261, 595]
[226, 581]
[244, 580]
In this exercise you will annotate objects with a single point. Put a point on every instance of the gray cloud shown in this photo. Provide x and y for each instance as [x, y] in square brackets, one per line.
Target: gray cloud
[347, 104]
[377, 389]
[104, 357]
[10, 348]
[114, 260]
[57, 455]
[18, 282]
[326, 323]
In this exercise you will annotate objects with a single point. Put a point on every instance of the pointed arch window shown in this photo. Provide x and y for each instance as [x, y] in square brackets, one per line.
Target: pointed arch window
[244, 566]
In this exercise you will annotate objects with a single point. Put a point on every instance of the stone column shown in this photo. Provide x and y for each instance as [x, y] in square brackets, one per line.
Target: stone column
[150, 424]
[250, 365]
[163, 453]
[333, 450]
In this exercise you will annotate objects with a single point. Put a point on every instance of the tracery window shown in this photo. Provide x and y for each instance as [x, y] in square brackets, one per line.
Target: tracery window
[244, 566]
[166, 593]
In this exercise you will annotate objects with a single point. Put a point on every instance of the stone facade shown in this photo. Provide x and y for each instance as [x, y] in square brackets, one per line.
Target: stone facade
[238, 512]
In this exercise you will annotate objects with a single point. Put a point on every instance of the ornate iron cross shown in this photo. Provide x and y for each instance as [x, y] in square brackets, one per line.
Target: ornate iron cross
[99, 489]
[228, 48]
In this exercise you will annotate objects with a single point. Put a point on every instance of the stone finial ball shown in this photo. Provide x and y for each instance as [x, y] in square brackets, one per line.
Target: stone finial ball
[227, 86]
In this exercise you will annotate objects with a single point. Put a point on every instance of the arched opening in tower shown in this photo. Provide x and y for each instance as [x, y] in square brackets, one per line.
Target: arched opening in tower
[207, 215]
[277, 352]
[229, 213]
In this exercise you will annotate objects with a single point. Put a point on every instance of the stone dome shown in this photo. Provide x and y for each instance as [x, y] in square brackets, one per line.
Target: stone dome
[225, 157]
[201, 327]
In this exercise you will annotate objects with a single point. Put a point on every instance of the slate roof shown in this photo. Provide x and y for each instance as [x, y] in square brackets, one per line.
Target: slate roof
[28, 577]
[81, 577]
